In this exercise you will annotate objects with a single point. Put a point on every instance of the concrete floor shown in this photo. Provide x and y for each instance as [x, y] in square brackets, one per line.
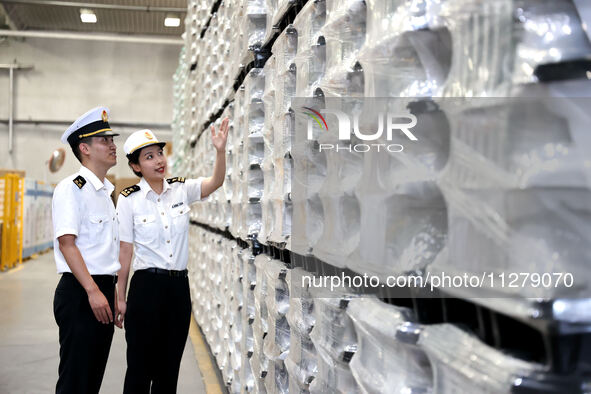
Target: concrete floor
[29, 345]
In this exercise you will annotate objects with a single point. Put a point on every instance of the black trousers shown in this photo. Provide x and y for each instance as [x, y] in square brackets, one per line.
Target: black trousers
[84, 341]
[156, 328]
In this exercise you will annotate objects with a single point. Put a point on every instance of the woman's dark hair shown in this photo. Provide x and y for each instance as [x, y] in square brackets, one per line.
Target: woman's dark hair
[134, 158]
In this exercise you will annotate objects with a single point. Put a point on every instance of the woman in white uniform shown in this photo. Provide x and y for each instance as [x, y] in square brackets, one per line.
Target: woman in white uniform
[153, 226]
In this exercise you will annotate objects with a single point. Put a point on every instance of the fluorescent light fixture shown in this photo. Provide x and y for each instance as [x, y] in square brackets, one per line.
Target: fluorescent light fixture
[172, 21]
[87, 16]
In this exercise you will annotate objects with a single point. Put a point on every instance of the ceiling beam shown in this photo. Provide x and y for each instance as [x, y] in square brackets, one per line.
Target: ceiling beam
[7, 19]
[93, 37]
[119, 7]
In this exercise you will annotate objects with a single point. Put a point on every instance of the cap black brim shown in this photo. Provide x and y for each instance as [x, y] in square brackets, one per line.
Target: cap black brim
[106, 134]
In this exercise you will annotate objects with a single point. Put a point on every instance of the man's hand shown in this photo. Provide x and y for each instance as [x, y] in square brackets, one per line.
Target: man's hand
[100, 306]
[120, 309]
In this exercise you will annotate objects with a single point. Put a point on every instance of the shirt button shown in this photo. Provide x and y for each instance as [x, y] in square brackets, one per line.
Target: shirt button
[181, 211]
[113, 219]
[168, 241]
[158, 200]
[100, 221]
[171, 255]
[162, 213]
[144, 220]
[165, 226]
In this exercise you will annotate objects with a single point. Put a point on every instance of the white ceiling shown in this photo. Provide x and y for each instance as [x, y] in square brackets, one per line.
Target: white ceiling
[112, 16]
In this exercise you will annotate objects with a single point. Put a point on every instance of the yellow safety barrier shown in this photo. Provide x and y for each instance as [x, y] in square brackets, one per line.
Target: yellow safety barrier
[12, 191]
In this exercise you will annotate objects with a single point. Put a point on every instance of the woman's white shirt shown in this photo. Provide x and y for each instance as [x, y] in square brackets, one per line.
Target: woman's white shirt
[158, 225]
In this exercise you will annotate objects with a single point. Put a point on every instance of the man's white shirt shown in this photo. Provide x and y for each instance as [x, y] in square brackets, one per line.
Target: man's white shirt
[88, 213]
[158, 225]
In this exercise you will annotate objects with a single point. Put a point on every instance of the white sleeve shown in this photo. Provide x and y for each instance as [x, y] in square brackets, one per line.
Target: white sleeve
[193, 188]
[65, 209]
[125, 217]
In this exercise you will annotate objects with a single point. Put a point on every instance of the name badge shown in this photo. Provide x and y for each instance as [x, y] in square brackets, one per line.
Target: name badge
[178, 204]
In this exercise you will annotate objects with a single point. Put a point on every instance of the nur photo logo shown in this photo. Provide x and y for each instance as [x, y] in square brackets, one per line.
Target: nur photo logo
[348, 125]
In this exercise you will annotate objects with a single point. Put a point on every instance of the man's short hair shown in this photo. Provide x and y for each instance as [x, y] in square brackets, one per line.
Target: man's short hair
[76, 147]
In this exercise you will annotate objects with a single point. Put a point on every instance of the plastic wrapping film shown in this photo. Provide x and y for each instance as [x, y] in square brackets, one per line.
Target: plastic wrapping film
[387, 357]
[277, 380]
[285, 48]
[340, 205]
[226, 193]
[248, 316]
[584, 9]
[230, 152]
[276, 343]
[236, 306]
[301, 363]
[246, 377]
[237, 161]
[309, 173]
[407, 52]
[254, 118]
[403, 214]
[270, 30]
[259, 362]
[215, 283]
[281, 201]
[333, 377]
[267, 163]
[465, 48]
[488, 370]
[311, 52]
[254, 25]
[283, 127]
[277, 298]
[344, 33]
[335, 341]
[517, 189]
[333, 330]
[300, 315]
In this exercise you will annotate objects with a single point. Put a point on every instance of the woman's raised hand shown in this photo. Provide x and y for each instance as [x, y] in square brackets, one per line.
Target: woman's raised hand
[219, 139]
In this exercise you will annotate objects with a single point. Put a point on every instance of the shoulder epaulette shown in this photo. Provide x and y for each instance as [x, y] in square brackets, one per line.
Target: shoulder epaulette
[79, 181]
[176, 179]
[128, 190]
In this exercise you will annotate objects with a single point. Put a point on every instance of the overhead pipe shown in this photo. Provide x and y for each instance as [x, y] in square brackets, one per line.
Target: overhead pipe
[92, 37]
[136, 125]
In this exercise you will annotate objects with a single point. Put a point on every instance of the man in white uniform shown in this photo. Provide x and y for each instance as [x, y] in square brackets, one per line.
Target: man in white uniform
[86, 249]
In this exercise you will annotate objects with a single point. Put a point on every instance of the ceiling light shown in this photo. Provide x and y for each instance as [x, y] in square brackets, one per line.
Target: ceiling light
[172, 21]
[87, 16]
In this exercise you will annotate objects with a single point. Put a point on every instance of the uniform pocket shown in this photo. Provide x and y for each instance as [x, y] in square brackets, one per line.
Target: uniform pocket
[180, 219]
[97, 224]
[145, 228]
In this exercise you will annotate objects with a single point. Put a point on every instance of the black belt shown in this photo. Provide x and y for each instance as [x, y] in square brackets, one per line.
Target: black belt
[97, 278]
[160, 271]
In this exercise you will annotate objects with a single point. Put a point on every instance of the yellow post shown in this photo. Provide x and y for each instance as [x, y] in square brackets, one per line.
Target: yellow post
[4, 250]
[12, 220]
[21, 218]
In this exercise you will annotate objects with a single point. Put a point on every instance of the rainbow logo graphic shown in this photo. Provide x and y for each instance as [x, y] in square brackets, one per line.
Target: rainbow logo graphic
[316, 116]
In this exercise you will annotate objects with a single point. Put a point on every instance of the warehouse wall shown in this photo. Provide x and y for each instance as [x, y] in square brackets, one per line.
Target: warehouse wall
[71, 76]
